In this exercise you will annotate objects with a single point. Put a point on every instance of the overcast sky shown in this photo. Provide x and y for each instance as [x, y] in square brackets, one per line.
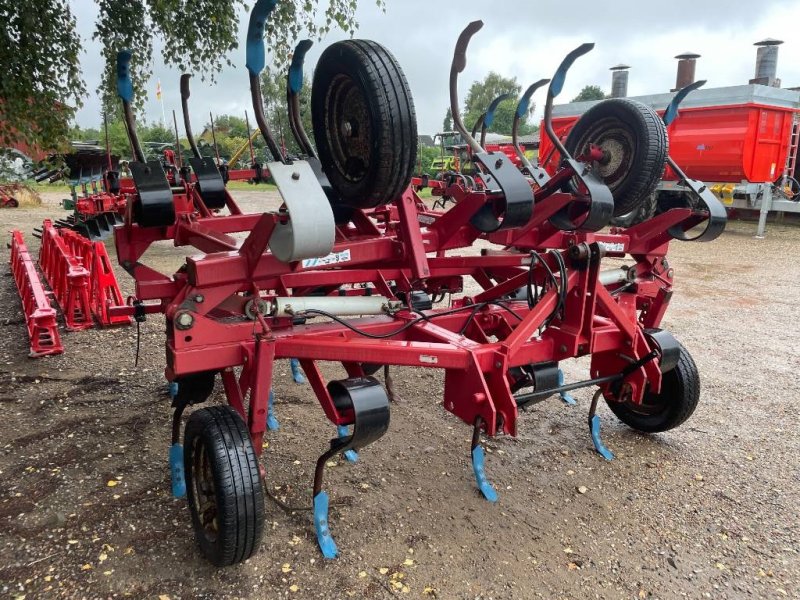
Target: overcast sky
[522, 39]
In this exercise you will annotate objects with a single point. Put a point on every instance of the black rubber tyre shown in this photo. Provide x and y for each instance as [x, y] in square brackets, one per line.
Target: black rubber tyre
[646, 210]
[223, 485]
[680, 393]
[364, 122]
[634, 140]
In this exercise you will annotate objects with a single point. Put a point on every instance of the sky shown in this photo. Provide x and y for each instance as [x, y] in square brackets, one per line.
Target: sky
[519, 39]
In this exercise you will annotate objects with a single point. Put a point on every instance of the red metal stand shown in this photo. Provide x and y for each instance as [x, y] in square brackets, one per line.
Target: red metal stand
[67, 276]
[40, 317]
[104, 292]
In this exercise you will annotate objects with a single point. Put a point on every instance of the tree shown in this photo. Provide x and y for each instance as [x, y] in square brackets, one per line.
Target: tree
[481, 94]
[447, 124]
[589, 92]
[41, 85]
[40, 49]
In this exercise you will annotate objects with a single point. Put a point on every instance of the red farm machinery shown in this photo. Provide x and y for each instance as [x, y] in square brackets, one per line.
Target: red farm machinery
[741, 140]
[354, 269]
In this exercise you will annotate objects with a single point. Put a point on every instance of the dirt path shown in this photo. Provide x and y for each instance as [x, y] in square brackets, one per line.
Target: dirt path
[707, 511]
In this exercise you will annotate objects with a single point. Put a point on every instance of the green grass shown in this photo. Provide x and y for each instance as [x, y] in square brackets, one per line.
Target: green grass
[60, 188]
[244, 186]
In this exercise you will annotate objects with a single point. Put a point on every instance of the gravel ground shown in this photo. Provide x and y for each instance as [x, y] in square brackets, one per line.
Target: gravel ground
[706, 511]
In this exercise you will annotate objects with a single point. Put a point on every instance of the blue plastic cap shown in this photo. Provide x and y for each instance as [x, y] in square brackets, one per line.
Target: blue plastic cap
[256, 54]
[124, 83]
[296, 68]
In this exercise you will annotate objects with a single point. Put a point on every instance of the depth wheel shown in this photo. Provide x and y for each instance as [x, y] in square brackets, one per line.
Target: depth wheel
[223, 485]
[634, 141]
[364, 123]
[680, 393]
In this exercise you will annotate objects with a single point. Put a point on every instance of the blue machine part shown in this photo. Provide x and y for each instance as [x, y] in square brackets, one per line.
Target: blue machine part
[324, 539]
[272, 421]
[557, 83]
[565, 396]
[256, 55]
[349, 455]
[297, 372]
[124, 83]
[480, 475]
[176, 470]
[296, 68]
[594, 429]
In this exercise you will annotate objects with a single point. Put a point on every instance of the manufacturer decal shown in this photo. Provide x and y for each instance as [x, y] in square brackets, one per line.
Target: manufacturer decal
[332, 259]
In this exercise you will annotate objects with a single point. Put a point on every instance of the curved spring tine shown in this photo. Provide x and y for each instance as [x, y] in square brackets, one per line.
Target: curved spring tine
[294, 83]
[672, 110]
[522, 109]
[256, 59]
[457, 66]
[185, 93]
[556, 85]
[488, 116]
[125, 92]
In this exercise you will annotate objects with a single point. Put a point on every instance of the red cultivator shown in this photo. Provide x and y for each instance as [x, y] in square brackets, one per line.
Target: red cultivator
[40, 317]
[353, 240]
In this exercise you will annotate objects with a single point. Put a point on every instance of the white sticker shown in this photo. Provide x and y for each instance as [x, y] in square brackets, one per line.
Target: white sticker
[427, 358]
[332, 259]
[613, 246]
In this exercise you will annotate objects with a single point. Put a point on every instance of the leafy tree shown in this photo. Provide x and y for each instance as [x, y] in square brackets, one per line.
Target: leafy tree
[40, 49]
[589, 92]
[41, 85]
[481, 94]
[425, 156]
[447, 124]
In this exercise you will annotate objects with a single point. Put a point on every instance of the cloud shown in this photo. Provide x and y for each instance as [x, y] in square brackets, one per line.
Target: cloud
[516, 41]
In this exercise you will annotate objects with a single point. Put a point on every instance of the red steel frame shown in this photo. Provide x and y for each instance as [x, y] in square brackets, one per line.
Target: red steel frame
[40, 316]
[67, 276]
[391, 245]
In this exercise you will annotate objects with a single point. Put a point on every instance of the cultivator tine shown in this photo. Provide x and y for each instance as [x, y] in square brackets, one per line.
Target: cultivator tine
[556, 85]
[457, 66]
[351, 455]
[272, 420]
[539, 175]
[366, 399]
[478, 467]
[594, 428]
[125, 91]
[672, 110]
[256, 59]
[565, 396]
[487, 118]
[717, 214]
[297, 372]
[598, 203]
[187, 122]
[294, 83]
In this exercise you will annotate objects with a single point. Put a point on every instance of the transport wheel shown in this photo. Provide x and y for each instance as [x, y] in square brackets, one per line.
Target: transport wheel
[635, 146]
[680, 393]
[364, 123]
[646, 210]
[223, 485]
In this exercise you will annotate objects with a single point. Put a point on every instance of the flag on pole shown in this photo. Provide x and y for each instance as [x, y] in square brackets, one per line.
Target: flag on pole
[158, 90]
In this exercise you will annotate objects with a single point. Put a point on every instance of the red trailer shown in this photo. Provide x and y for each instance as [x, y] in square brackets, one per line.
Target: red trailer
[741, 140]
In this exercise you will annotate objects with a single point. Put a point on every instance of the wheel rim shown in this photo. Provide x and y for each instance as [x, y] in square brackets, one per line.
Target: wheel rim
[619, 150]
[348, 128]
[204, 497]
